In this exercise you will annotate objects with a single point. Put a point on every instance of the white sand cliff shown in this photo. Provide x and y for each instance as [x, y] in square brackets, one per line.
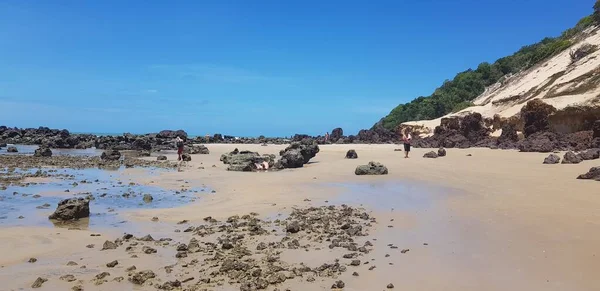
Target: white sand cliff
[558, 81]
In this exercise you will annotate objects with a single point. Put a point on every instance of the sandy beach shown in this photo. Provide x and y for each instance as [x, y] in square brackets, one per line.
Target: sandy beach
[495, 220]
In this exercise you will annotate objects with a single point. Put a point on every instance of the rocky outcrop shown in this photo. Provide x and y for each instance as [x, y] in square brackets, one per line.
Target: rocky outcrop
[535, 116]
[172, 134]
[336, 134]
[508, 138]
[590, 154]
[42, 152]
[377, 134]
[297, 154]
[247, 161]
[593, 173]
[457, 132]
[53, 138]
[552, 159]
[372, 168]
[542, 142]
[197, 149]
[111, 155]
[571, 158]
[69, 209]
[351, 154]
[430, 155]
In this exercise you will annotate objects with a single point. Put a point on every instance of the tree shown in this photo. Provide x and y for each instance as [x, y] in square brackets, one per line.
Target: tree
[596, 14]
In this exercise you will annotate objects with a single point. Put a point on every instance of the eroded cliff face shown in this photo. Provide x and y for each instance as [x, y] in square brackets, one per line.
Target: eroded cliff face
[569, 82]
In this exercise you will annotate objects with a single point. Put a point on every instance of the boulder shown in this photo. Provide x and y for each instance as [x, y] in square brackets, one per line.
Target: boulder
[430, 155]
[351, 154]
[73, 208]
[197, 149]
[336, 134]
[571, 158]
[593, 173]
[246, 161]
[142, 144]
[161, 158]
[552, 159]
[12, 149]
[590, 154]
[441, 152]
[297, 154]
[42, 152]
[186, 157]
[111, 155]
[535, 116]
[372, 168]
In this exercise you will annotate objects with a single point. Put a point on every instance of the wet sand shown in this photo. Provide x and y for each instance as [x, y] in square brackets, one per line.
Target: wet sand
[496, 220]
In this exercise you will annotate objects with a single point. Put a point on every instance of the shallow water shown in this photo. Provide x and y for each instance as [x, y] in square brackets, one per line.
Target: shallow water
[111, 192]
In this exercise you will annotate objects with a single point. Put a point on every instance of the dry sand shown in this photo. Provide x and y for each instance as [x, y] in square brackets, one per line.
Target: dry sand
[496, 220]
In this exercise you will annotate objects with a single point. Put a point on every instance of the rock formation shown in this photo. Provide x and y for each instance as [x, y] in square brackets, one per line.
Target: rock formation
[552, 159]
[42, 152]
[372, 168]
[70, 209]
[351, 154]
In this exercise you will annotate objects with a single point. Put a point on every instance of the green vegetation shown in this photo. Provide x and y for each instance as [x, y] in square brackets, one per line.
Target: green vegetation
[458, 93]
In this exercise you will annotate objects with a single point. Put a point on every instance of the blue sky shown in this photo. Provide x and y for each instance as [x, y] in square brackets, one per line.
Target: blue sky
[248, 67]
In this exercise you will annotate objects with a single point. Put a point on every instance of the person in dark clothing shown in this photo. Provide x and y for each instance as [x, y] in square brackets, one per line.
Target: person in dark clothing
[179, 144]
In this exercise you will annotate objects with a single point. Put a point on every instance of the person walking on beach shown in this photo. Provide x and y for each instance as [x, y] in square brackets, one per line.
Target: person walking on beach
[406, 139]
[179, 144]
[326, 136]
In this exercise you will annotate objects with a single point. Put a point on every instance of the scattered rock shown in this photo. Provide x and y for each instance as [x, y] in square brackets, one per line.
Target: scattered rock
[68, 278]
[161, 158]
[102, 275]
[390, 286]
[593, 173]
[441, 152]
[431, 155]
[148, 198]
[71, 263]
[338, 285]
[373, 168]
[42, 152]
[12, 149]
[109, 245]
[355, 263]
[293, 227]
[38, 282]
[141, 277]
[32, 260]
[148, 250]
[552, 159]
[112, 264]
[351, 154]
[571, 158]
[111, 155]
[70, 209]
[186, 157]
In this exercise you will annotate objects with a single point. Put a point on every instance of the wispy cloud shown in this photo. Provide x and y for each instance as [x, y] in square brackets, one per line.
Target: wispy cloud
[216, 73]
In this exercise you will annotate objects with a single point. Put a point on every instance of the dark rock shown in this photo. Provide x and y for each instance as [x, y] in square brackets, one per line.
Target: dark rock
[351, 154]
[186, 157]
[171, 134]
[571, 158]
[12, 149]
[390, 286]
[141, 277]
[293, 227]
[373, 168]
[161, 158]
[32, 260]
[593, 173]
[148, 198]
[197, 149]
[297, 154]
[112, 264]
[109, 245]
[38, 282]
[542, 142]
[246, 161]
[148, 250]
[336, 134]
[441, 152]
[68, 278]
[552, 159]
[111, 155]
[42, 152]
[431, 155]
[73, 208]
[596, 129]
[338, 285]
[509, 135]
[590, 154]
[535, 116]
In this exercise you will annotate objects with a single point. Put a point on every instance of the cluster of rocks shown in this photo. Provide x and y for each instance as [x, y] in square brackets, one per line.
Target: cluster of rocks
[471, 130]
[432, 155]
[245, 251]
[53, 138]
[296, 155]
[573, 158]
